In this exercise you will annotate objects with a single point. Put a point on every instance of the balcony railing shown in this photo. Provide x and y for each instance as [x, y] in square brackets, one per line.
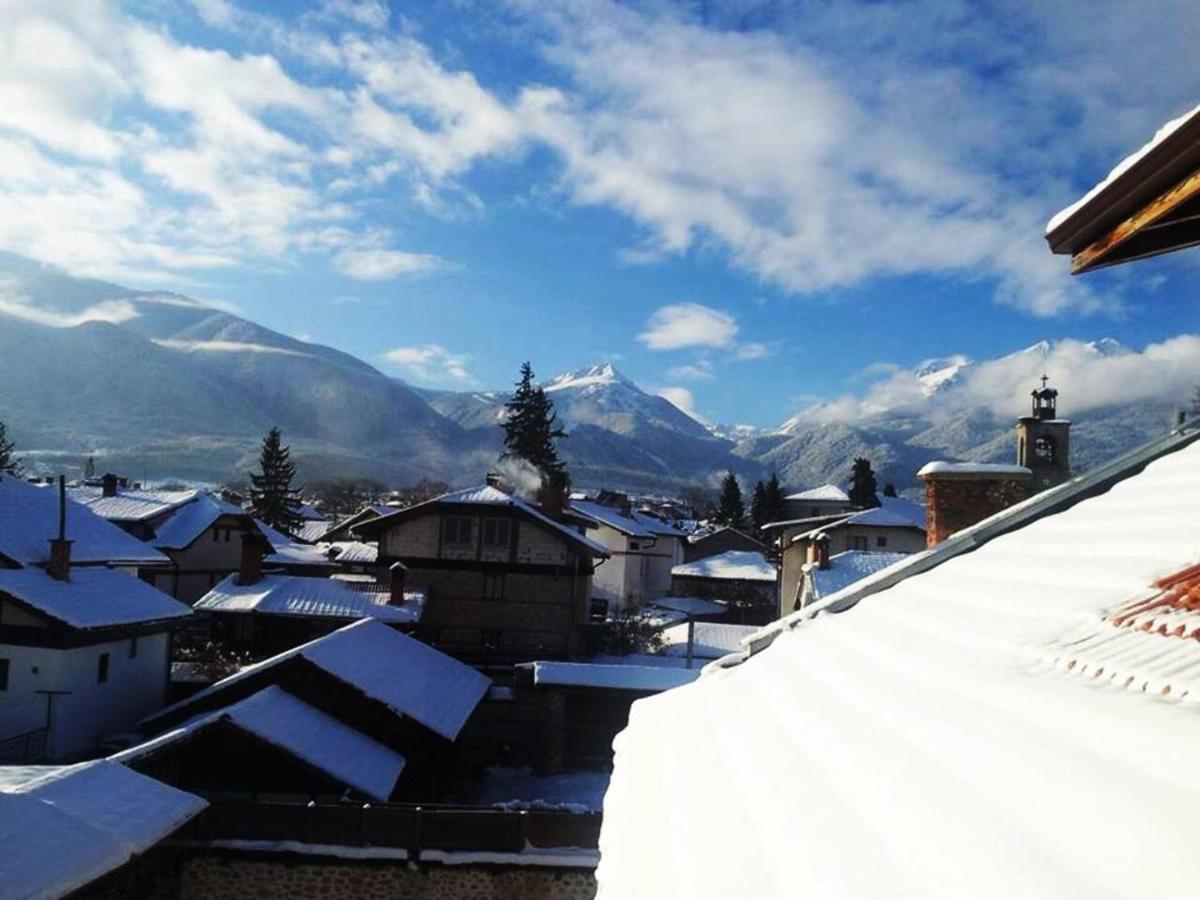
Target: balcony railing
[29, 747]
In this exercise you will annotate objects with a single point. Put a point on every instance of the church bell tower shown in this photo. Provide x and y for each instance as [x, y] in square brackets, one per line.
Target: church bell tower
[1044, 441]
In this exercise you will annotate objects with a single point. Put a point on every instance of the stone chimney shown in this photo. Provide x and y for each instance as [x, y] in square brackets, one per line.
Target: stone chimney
[254, 548]
[109, 485]
[820, 547]
[59, 566]
[553, 501]
[958, 495]
[399, 575]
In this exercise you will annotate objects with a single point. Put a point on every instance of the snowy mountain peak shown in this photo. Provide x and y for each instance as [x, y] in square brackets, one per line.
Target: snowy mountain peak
[934, 375]
[602, 374]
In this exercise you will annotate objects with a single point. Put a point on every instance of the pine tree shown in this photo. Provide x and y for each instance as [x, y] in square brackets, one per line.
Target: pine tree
[9, 464]
[889, 490]
[776, 507]
[731, 510]
[530, 430]
[758, 505]
[272, 497]
[863, 487]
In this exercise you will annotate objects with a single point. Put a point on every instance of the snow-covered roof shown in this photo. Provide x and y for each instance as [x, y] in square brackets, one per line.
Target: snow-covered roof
[29, 519]
[940, 467]
[690, 606]
[655, 525]
[188, 521]
[829, 493]
[849, 567]
[92, 598]
[312, 736]
[302, 595]
[352, 551]
[882, 517]
[312, 530]
[63, 827]
[609, 675]
[409, 677]
[736, 565]
[607, 515]
[710, 640]
[915, 512]
[970, 760]
[289, 552]
[486, 495]
[130, 504]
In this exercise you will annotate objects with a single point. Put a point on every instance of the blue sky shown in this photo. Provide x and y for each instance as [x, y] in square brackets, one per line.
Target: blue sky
[744, 205]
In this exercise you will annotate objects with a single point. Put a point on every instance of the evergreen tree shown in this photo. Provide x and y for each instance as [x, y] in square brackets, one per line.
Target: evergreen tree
[9, 464]
[758, 505]
[272, 497]
[731, 510]
[530, 430]
[776, 508]
[889, 490]
[863, 487]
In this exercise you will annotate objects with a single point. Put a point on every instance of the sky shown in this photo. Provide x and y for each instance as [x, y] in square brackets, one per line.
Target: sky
[746, 206]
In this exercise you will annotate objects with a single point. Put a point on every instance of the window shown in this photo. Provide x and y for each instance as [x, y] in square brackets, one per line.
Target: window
[496, 532]
[102, 669]
[634, 545]
[858, 543]
[493, 587]
[457, 530]
[133, 648]
[1043, 448]
[216, 534]
[4, 674]
[880, 542]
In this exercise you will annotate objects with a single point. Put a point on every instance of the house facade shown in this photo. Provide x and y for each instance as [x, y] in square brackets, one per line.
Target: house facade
[643, 551]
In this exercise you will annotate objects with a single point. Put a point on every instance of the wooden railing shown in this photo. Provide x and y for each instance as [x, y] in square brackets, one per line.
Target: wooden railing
[29, 747]
[396, 826]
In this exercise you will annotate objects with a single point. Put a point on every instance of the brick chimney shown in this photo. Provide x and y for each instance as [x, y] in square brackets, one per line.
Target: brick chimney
[399, 575]
[108, 484]
[553, 501]
[254, 548]
[958, 495]
[820, 547]
[59, 566]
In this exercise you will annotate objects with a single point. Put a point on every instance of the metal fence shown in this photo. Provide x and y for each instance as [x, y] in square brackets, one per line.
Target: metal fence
[396, 826]
[29, 747]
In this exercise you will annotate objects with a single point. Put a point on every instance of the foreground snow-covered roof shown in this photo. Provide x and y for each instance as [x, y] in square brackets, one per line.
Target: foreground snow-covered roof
[304, 595]
[63, 827]
[29, 519]
[92, 598]
[409, 677]
[735, 565]
[933, 740]
[314, 737]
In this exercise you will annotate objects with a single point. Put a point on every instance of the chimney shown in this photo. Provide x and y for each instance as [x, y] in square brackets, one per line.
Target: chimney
[958, 495]
[821, 551]
[253, 549]
[494, 480]
[59, 566]
[399, 573]
[626, 508]
[553, 500]
[109, 485]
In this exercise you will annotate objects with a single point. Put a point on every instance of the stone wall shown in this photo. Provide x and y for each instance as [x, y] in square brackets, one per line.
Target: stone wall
[955, 503]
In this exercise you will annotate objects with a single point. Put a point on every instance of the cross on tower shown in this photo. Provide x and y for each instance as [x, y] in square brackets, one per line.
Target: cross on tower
[1045, 378]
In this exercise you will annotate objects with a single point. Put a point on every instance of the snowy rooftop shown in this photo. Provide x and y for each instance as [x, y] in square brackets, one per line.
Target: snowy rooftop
[313, 530]
[612, 675]
[302, 595]
[289, 552]
[999, 470]
[690, 606]
[275, 716]
[829, 493]
[914, 512]
[352, 551]
[409, 677]
[29, 519]
[92, 598]
[847, 568]
[188, 521]
[710, 640]
[607, 515]
[735, 565]
[971, 759]
[130, 505]
[63, 827]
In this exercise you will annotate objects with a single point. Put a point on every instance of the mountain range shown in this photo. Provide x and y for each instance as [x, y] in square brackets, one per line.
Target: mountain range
[156, 385]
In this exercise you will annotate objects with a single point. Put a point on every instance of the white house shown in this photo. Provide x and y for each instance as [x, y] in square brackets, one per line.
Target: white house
[644, 550]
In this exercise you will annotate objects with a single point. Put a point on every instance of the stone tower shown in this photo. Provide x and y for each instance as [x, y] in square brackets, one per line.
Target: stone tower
[1044, 441]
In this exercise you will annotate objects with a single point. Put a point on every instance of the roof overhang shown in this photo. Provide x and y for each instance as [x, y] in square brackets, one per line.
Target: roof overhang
[1151, 207]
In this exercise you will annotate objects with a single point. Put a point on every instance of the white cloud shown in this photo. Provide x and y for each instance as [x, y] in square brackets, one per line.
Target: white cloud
[381, 265]
[700, 370]
[681, 398]
[224, 347]
[113, 311]
[753, 350]
[688, 325]
[430, 362]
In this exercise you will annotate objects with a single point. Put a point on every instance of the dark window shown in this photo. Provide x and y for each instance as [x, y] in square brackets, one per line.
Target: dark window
[496, 532]
[858, 543]
[634, 545]
[493, 587]
[4, 674]
[102, 669]
[457, 530]
[1043, 448]
[228, 534]
[216, 534]
[133, 648]
[880, 542]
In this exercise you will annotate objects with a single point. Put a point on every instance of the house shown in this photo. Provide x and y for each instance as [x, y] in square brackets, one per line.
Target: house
[826, 575]
[264, 613]
[828, 499]
[344, 529]
[65, 827]
[503, 581]
[83, 648]
[365, 709]
[199, 533]
[643, 551]
[745, 580]
[721, 540]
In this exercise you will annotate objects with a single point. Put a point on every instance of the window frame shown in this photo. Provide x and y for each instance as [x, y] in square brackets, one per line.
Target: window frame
[493, 585]
[453, 525]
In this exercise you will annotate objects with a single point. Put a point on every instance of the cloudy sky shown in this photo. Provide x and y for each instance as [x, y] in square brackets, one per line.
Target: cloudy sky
[744, 205]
